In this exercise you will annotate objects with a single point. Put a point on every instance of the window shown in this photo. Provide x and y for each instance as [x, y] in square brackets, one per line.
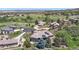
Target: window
[46, 33]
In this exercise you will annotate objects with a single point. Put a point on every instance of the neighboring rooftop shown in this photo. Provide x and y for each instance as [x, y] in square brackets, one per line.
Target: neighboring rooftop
[55, 23]
[6, 29]
[40, 34]
[8, 42]
[28, 30]
[41, 23]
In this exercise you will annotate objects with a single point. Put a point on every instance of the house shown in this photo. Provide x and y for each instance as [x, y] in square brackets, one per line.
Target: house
[4, 37]
[29, 30]
[37, 35]
[41, 23]
[5, 43]
[36, 27]
[74, 17]
[66, 22]
[13, 27]
[6, 30]
[54, 25]
[74, 21]
[17, 27]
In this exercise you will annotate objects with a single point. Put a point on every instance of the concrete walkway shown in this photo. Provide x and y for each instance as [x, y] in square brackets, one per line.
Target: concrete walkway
[18, 37]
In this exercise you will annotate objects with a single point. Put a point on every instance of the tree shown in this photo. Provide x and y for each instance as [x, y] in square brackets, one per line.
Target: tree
[48, 43]
[57, 42]
[58, 21]
[36, 22]
[29, 18]
[67, 37]
[41, 44]
[47, 19]
[27, 44]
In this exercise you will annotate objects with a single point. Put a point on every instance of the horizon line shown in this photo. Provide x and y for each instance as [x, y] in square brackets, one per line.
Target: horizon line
[34, 8]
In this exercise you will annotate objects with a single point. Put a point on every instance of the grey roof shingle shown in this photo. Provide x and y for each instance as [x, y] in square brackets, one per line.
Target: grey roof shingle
[7, 42]
[6, 29]
[41, 34]
[28, 29]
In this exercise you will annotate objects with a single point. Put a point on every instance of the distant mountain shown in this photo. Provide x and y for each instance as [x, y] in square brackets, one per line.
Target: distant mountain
[75, 9]
[33, 9]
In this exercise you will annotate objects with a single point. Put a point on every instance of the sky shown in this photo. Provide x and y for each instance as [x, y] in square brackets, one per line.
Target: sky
[39, 3]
